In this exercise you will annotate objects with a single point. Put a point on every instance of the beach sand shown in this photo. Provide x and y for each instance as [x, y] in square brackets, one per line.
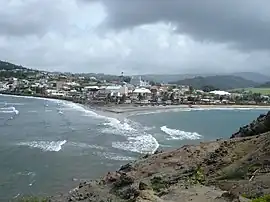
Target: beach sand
[149, 108]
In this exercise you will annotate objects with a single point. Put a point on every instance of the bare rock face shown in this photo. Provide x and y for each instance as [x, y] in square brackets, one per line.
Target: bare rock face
[259, 126]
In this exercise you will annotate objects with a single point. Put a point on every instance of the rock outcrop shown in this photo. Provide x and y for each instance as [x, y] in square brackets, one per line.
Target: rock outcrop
[259, 126]
[236, 170]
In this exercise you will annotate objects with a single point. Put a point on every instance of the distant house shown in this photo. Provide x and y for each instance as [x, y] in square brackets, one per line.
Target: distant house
[141, 94]
[220, 93]
[137, 81]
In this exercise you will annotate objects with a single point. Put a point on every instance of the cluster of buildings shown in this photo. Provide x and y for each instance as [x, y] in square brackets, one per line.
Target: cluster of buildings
[137, 91]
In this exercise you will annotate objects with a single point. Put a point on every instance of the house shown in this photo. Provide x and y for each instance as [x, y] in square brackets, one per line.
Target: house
[141, 94]
[137, 81]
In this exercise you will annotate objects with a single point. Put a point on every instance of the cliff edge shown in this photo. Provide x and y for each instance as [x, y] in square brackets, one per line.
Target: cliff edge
[237, 169]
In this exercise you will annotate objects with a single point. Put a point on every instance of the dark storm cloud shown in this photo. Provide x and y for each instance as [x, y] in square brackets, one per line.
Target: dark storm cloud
[244, 23]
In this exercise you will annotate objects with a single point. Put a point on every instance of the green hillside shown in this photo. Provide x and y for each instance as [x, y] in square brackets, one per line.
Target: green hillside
[9, 66]
[219, 82]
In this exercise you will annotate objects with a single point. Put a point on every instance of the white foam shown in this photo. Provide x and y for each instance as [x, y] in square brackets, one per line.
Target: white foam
[12, 103]
[114, 156]
[54, 146]
[84, 145]
[141, 144]
[180, 135]
[8, 110]
[137, 140]
[117, 127]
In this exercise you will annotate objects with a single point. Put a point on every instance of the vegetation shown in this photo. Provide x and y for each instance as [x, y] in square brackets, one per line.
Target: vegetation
[265, 198]
[263, 91]
[265, 85]
[9, 66]
[158, 184]
[217, 82]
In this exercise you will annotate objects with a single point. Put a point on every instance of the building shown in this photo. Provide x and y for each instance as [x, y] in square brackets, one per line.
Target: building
[137, 81]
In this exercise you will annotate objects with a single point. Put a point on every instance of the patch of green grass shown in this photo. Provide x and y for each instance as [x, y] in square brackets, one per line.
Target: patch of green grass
[263, 91]
[158, 184]
[265, 198]
[197, 177]
[234, 173]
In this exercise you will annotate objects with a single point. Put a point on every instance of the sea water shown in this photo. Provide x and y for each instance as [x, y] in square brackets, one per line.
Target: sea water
[48, 146]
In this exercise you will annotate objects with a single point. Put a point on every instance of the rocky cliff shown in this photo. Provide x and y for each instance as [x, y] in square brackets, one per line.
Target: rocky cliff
[226, 170]
[258, 126]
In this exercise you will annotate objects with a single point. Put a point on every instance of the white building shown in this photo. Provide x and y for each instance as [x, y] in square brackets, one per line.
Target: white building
[220, 93]
[114, 90]
[137, 81]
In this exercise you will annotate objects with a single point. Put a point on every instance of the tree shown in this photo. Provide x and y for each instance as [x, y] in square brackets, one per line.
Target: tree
[191, 89]
[140, 97]
[165, 96]
[257, 97]
[123, 99]
[172, 97]
[208, 88]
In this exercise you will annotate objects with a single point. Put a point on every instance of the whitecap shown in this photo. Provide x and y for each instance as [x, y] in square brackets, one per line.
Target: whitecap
[54, 146]
[84, 145]
[114, 156]
[117, 127]
[179, 134]
[137, 140]
[145, 143]
[8, 110]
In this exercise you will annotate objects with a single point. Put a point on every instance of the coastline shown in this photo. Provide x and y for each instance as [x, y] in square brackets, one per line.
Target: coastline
[136, 108]
[183, 174]
[118, 109]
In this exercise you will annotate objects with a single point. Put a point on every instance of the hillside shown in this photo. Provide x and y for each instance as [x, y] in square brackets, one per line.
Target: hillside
[9, 66]
[236, 170]
[253, 76]
[220, 82]
[167, 78]
[264, 85]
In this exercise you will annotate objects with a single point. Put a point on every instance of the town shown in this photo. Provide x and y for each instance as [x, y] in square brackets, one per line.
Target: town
[121, 89]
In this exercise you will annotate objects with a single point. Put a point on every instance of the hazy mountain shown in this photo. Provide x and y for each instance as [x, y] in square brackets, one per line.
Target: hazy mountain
[223, 82]
[166, 78]
[253, 76]
[264, 85]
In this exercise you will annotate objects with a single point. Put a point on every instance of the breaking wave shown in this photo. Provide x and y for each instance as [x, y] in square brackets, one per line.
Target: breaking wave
[114, 156]
[53, 146]
[180, 135]
[9, 110]
[140, 144]
[137, 140]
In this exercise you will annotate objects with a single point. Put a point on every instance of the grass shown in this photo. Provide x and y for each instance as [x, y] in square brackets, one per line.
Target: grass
[158, 184]
[263, 91]
[265, 198]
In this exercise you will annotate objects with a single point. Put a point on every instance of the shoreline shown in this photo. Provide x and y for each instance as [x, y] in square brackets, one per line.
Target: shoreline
[135, 108]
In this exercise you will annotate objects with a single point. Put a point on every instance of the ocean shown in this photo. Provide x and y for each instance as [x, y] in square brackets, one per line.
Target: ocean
[48, 146]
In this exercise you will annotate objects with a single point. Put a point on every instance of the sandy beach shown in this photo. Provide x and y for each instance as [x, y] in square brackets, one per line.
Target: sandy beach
[148, 108]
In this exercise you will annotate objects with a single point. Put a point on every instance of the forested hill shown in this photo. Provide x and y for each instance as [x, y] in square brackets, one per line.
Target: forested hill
[218, 82]
[9, 66]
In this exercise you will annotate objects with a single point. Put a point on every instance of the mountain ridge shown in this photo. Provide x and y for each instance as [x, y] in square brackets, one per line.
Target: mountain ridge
[218, 82]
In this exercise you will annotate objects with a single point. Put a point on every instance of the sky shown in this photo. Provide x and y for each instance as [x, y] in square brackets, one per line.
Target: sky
[137, 36]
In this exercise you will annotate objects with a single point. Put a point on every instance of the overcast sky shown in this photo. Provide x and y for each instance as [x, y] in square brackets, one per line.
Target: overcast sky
[137, 36]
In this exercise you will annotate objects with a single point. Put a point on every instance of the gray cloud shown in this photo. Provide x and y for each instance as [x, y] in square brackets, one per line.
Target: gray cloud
[138, 36]
[244, 23]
